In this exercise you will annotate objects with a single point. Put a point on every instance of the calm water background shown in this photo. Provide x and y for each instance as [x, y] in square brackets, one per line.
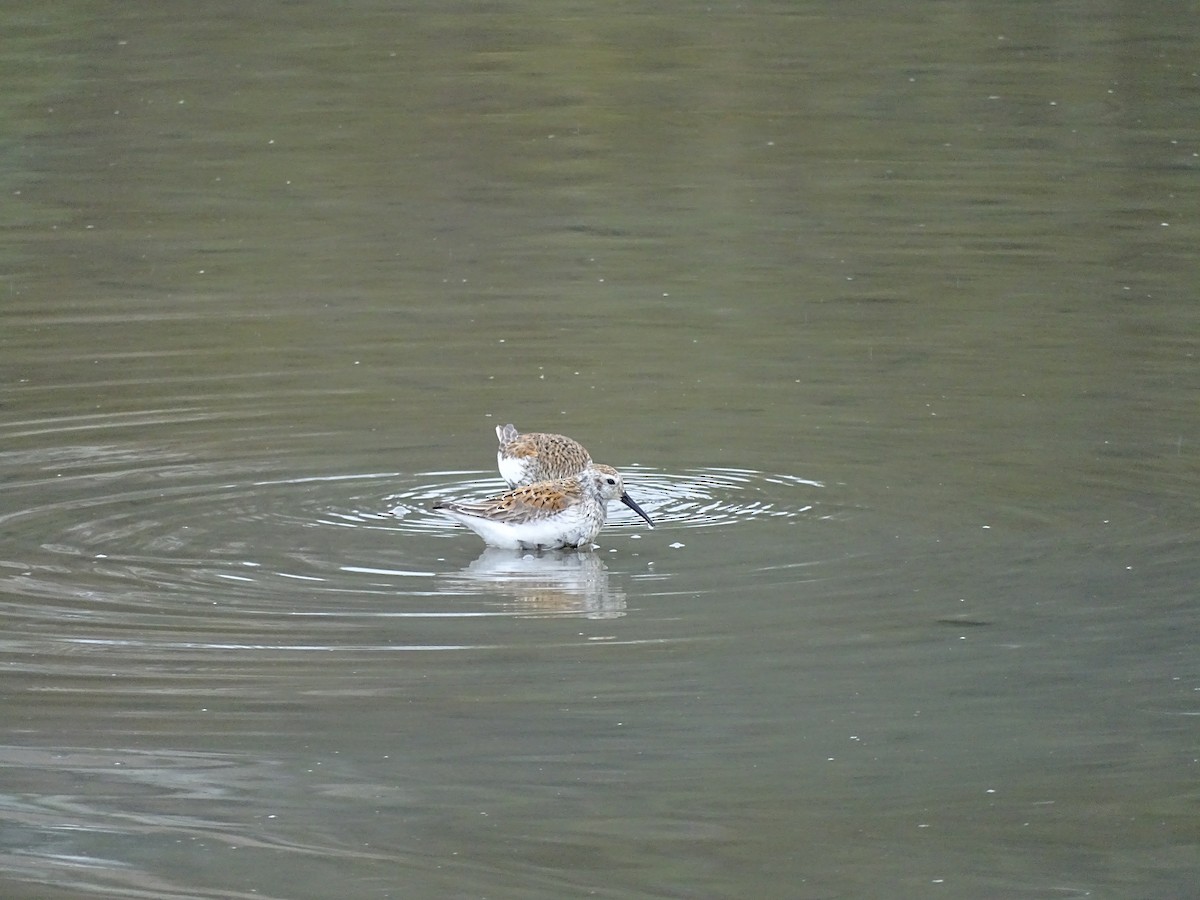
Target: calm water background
[888, 311]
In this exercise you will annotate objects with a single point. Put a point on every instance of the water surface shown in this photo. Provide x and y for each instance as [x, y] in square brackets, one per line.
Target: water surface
[886, 314]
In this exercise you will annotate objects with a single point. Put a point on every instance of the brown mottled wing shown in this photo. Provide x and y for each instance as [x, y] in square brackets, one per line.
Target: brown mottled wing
[524, 446]
[562, 446]
[544, 496]
[552, 445]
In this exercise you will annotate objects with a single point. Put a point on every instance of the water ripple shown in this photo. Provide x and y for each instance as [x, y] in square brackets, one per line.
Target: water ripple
[693, 498]
[169, 543]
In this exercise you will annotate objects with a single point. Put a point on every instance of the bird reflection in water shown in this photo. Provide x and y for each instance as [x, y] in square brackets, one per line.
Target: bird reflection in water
[550, 583]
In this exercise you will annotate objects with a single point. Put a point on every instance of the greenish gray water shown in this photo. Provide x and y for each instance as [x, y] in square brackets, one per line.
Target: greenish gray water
[888, 314]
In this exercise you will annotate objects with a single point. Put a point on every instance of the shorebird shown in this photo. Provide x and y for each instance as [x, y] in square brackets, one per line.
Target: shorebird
[546, 515]
[532, 457]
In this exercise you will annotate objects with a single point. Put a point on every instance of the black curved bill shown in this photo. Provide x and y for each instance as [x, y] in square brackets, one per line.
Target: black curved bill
[628, 501]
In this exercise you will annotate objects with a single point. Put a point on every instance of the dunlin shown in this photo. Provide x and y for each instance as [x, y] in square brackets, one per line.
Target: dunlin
[547, 515]
[529, 458]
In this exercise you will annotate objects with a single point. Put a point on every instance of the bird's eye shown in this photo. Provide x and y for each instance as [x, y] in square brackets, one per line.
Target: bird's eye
[611, 480]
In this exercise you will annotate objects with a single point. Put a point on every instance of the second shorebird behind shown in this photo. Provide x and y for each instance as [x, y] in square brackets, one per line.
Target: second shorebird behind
[535, 456]
[548, 515]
